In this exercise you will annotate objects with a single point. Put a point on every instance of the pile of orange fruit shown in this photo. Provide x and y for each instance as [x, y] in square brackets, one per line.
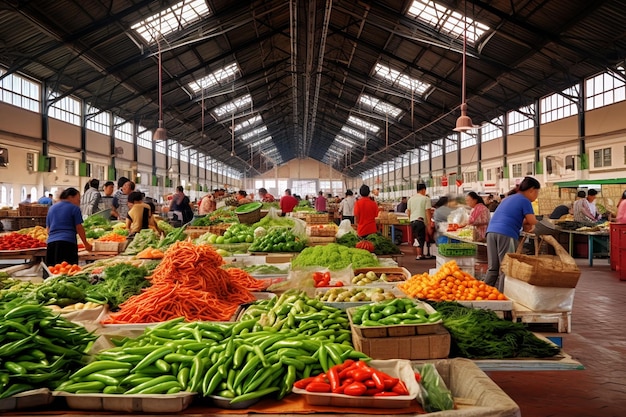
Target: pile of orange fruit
[449, 283]
[64, 268]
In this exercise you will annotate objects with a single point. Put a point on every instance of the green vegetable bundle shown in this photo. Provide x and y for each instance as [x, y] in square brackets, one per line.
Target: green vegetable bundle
[435, 396]
[334, 257]
[120, 282]
[38, 348]
[143, 239]
[349, 240]
[383, 245]
[164, 226]
[62, 290]
[481, 334]
[174, 236]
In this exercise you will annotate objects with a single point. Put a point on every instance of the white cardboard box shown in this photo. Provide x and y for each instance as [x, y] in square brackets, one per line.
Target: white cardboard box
[536, 298]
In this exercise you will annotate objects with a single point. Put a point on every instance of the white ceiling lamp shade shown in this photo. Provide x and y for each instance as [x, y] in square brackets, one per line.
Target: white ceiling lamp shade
[464, 123]
[160, 133]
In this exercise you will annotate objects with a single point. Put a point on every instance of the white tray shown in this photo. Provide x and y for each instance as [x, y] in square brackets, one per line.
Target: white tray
[398, 368]
[158, 403]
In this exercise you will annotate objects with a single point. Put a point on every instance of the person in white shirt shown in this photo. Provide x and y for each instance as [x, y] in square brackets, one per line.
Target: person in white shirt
[346, 207]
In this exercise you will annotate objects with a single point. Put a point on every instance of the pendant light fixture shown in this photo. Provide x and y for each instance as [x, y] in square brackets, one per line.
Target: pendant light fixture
[160, 133]
[464, 123]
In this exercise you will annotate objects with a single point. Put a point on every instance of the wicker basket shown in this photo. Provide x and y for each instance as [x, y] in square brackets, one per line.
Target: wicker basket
[250, 217]
[36, 210]
[543, 270]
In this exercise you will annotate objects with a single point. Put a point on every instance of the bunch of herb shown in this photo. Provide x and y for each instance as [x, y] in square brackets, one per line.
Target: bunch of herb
[119, 282]
[481, 334]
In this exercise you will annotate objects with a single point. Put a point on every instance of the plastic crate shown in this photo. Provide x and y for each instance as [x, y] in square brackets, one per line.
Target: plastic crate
[457, 249]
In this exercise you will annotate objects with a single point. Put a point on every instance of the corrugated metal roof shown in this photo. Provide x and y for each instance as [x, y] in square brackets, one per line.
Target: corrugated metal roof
[306, 63]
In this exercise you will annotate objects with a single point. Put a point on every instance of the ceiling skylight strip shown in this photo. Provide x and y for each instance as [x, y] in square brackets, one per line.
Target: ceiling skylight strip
[253, 133]
[379, 106]
[352, 131]
[172, 19]
[226, 73]
[400, 80]
[447, 21]
[362, 123]
[248, 123]
[233, 106]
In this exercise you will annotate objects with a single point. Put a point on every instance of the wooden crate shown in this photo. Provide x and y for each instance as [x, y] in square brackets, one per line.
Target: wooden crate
[562, 319]
[36, 210]
[115, 247]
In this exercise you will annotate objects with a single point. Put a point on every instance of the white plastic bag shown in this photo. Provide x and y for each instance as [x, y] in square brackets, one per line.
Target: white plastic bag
[344, 227]
[458, 216]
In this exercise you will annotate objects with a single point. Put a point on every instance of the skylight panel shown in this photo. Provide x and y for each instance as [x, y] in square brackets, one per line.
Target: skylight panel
[400, 80]
[352, 131]
[336, 152]
[172, 19]
[342, 140]
[379, 106]
[248, 123]
[233, 106]
[447, 21]
[253, 133]
[362, 123]
[215, 78]
[261, 141]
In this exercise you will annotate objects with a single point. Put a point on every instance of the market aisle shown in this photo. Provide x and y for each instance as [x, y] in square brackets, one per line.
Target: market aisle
[597, 340]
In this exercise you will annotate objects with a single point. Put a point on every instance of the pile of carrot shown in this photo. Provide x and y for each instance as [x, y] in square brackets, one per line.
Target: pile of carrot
[111, 237]
[189, 282]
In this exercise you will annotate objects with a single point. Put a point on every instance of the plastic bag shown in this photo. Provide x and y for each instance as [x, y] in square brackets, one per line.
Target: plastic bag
[458, 216]
[302, 279]
[434, 395]
[344, 227]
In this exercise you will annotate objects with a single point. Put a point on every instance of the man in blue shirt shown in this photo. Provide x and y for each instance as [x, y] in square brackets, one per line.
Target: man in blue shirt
[45, 200]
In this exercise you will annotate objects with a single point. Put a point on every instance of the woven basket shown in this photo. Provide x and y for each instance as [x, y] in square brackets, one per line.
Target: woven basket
[543, 270]
[250, 217]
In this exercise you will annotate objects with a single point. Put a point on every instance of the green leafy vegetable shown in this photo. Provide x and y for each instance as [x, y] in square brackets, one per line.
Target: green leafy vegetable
[164, 226]
[334, 257]
[175, 235]
[349, 240]
[119, 282]
[383, 245]
[481, 334]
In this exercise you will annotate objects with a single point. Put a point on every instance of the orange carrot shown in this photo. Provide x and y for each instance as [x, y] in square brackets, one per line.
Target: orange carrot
[189, 282]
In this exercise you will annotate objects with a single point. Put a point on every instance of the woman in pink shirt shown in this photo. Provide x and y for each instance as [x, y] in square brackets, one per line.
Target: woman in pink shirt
[621, 209]
[479, 216]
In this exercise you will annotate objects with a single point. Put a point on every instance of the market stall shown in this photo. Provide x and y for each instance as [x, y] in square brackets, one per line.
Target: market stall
[184, 329]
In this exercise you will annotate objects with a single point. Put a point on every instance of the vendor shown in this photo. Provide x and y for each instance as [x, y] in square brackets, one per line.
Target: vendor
[139, 215]
[479, 216]
[265, 196]
[64, 221]
[583, 211]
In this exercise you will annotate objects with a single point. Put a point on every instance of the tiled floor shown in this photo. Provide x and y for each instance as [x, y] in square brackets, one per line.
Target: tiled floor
[597, 341]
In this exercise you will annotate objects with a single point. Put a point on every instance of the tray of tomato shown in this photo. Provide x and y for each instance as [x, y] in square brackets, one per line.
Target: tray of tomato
[12, 242]
[377, 384]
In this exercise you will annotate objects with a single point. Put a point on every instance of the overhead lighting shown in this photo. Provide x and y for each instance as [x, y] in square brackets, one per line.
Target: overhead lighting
[160, 134]
[464, 123]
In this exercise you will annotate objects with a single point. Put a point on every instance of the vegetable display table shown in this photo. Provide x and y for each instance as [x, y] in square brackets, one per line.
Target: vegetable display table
[33, 255]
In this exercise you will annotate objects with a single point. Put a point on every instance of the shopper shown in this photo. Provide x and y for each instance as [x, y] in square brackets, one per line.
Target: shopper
[64, 221]
[46, 200]
[346, 207]
[139, 214]
[181, 205]
[119, 206]
[90, 201]
[320, 203]
[479, 216]
[365, 212]
[621, 209]
[401, 207]
[514, 213]
[419, 217]
[207, 205]
[265, 196]
[287, 202]
[27, 200]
